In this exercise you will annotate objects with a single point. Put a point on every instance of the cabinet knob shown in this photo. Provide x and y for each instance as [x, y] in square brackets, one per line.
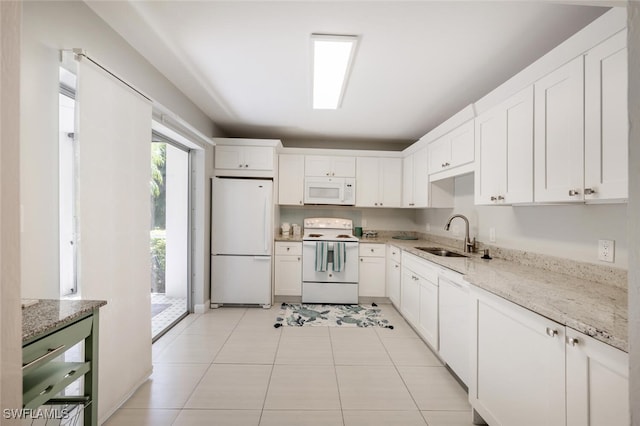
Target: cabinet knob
[589, 191]
[361, 260]
[375, 204]
[494, 198]
[500, 198]
[246, 165]
[573, 192]
[239, 165]
[396, 266]
[327, 173]
[573, 341]
[298, 259]
[372, 250]
[551, 332]
[300, 202]
[288, 248]
[380, 204]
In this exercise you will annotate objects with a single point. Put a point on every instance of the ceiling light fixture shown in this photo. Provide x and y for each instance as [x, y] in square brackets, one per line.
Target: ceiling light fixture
[332, 59]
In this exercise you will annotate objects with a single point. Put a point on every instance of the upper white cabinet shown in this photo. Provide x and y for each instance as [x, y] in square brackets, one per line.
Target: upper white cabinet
[504, 147]
[379, 182]
[334, 166]
[559, 134]
[606, 122]
[415, 179]
[597, 382]
[291, 179]
[452, 150]
[245, 157]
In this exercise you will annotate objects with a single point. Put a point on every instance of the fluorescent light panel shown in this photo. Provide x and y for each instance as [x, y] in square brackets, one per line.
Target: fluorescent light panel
[332, 58]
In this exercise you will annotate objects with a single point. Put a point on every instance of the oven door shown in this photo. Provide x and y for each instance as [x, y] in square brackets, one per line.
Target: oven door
[349, 272]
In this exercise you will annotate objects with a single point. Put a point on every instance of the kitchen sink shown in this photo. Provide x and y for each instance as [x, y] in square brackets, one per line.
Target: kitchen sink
[439, 251]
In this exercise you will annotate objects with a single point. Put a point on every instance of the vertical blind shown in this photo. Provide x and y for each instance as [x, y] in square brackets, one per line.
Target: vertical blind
[113, 205]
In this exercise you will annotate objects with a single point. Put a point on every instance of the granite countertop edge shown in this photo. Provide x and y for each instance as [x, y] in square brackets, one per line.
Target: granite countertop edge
[50, 314]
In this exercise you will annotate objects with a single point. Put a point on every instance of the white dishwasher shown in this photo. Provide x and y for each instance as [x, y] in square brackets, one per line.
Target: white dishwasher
[454, 323]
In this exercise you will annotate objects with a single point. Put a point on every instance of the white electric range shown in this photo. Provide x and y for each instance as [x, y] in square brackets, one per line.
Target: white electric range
[329, 261]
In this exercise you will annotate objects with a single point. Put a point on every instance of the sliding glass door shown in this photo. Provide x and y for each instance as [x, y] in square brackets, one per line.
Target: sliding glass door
[169, 236]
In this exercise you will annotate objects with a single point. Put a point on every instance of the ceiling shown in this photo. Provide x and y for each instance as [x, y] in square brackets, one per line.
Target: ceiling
[247, 64]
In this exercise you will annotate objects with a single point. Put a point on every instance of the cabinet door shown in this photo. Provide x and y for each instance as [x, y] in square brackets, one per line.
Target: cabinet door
[393, 276]
[518, 364]
[257, 157]
[410, 297]
[291, 179]
[288, 275]
[343, 166]
[462, 144]
[428, 325]
[439, 154]
[371, 281]
[367, 182]
[518, 181]
[559, 134]
[491, 168]
[606, 121]
[317, 165]
[390, 183]
[407, 181]
[421, 178]
[597, 382]
[228, 157]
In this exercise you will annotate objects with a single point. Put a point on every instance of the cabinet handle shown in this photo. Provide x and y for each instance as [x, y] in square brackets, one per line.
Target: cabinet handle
[493, 198]
[239, 165]
[396, 266]
[573, 341]
[589, 191]
[500, 198]
[300, 202]
[288, 248]
[327, 173]
[298, 259]
[375, 204]
[573, 192]
[551, 332]
[246, 165]
[372, 250]
[49, 353]
[380, 204]
[361, 260]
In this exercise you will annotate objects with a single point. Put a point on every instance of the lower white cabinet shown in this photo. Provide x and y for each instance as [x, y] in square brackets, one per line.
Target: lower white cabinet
[410, 296]
[518, 365]
[288, 269]
[372, 270]
[393, 275]
[530, 370]
[428, 323]
[597, 382]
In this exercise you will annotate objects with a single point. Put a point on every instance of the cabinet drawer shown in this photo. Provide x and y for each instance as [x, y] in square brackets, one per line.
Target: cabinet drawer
[394, 253]
[289, 248]
[44, 350]
[372, 250]
[421, 267]
[45, 382]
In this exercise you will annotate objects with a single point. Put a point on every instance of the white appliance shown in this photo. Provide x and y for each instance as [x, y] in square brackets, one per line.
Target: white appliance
[330, 190]
[323, 281]
[241, 240]
[454, 323]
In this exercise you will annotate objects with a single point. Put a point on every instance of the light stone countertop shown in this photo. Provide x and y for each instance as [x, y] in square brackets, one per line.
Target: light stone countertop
[596, 308]
[50, 314]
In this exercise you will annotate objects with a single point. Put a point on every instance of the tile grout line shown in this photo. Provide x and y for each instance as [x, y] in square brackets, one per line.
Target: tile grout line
[273, 366]
[335, 372]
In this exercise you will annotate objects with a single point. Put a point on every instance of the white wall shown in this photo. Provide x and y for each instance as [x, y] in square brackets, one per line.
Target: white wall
[569, 231]
[634, 211]
[47, 28]
[10, 315]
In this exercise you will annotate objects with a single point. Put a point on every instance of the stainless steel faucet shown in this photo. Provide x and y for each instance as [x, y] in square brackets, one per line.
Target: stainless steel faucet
[469, 245]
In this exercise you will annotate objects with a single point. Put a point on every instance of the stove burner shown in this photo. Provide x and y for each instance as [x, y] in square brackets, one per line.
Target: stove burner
[315, 235]
[343, 236]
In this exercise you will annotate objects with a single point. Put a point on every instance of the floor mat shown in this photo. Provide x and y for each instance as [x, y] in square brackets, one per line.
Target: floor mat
[299, 315]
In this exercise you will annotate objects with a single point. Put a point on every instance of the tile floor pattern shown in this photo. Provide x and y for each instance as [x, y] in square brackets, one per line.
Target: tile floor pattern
[230, 366]
[167, 317]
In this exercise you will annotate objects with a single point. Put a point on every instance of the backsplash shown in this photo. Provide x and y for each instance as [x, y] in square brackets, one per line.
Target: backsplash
[584, 270]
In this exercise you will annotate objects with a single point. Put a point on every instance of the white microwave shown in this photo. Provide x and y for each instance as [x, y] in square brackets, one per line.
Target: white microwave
[330, 190]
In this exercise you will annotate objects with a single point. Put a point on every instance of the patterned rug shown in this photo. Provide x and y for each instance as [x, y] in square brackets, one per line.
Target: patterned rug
[299, 315]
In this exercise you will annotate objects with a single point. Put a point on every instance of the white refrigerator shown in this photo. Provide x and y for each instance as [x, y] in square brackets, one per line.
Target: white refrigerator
[241, 241]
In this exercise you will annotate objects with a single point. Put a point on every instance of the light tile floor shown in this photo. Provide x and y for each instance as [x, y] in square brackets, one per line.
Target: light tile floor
[230, 366]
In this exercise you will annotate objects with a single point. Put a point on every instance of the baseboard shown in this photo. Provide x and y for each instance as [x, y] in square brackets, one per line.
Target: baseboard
[201, 308]
[126, 397]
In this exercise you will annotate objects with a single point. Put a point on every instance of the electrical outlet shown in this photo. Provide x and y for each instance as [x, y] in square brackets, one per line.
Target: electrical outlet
[606, 250]
[492, 235]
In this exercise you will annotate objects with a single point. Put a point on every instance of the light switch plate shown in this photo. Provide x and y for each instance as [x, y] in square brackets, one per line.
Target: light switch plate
[606, 250]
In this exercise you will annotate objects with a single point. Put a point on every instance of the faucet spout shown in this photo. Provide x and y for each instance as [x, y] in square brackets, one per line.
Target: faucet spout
[469, 245]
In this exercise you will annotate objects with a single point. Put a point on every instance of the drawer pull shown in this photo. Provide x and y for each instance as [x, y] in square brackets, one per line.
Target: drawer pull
[552, 332]
[47, 390]
[573, 341]
[50, 352]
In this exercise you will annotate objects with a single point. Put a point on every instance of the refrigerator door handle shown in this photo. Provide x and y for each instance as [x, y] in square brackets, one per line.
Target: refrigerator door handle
[264, 227]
